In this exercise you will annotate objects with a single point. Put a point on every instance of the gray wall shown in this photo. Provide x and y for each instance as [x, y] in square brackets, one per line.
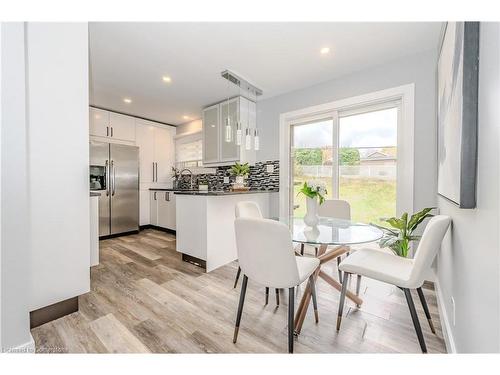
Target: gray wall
[468, 265]
[419, 69]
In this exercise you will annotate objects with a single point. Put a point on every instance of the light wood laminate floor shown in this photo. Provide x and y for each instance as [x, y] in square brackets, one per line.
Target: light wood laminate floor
[145, 299]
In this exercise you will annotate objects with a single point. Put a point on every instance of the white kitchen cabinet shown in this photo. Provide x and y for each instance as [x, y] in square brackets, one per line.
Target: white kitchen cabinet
[121, 127]
[111, 125]
[153, 208]
[166, 209]
[164, 154]
[145, 140]
[99, 122]
[219, 140]
[162, 209]
[156, 152]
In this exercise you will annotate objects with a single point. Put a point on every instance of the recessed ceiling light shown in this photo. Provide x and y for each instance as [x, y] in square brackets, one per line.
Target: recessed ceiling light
[127, 100]
[167, 79]
[324, 50]
[186, 117]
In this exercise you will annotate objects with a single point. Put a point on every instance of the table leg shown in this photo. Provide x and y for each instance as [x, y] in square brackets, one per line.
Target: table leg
[330, 280]
[306, 297]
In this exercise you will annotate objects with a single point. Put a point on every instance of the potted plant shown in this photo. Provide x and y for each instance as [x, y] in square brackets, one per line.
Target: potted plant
[399, 237]
[314, 191]
[241, 171]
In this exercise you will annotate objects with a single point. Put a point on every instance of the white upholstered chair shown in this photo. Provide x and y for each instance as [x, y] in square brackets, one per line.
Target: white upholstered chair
[404, 273]
[251, 209]
[266, 256]
[339, 209]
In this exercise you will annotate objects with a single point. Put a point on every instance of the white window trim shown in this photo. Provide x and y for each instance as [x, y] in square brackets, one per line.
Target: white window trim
[405, 154]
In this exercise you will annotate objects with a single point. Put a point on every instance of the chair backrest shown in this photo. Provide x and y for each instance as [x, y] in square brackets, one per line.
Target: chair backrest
[336, 208]
[248, 209]
[265, 252]
[429, 245]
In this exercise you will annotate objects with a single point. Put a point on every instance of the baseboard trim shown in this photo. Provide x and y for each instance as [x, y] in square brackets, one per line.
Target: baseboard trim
[149, 226]
[27, 347]
[53, 312]
[445, 322]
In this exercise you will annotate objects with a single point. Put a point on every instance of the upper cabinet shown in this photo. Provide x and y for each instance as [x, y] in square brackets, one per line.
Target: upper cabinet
[220, 125]
[111, 125]
[156, 152]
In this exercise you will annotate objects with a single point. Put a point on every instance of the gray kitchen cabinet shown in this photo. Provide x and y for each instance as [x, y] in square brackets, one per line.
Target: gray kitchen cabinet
[219, 140]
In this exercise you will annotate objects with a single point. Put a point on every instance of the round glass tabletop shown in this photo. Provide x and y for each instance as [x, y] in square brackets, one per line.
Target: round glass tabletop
[332, 231]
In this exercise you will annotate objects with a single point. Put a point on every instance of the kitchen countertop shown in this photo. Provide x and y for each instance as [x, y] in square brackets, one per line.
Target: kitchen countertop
[222, 193]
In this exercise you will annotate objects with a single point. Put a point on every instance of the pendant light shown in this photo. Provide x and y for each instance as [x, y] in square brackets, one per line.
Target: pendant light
[256, 132]
[228, 129]
[239, 132]
[248, 136]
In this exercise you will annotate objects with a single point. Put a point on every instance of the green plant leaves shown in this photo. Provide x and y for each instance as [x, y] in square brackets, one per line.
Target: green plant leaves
[398, 239]
[418, 217]
[240, 169]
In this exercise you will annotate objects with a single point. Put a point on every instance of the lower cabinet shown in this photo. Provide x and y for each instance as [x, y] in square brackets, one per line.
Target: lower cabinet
[162, 209]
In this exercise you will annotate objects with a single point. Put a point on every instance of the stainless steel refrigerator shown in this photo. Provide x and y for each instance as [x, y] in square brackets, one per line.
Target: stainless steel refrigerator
[114, 172]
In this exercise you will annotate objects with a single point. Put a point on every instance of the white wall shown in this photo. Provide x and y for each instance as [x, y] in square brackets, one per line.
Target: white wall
[419, 69]
[189, 127]
[468, 264]
[59, 159]
[14, 247]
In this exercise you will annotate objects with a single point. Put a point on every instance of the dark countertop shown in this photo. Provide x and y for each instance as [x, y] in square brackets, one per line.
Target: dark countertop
[222, 193]
[168, 189]
[95, 194]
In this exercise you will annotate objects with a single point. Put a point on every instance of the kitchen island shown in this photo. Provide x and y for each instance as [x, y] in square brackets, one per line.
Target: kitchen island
[205, 223]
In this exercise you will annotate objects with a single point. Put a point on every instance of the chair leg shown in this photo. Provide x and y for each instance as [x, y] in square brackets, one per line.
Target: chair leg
[314, 299]
[237, 277]
[358, 285]
[414, 317]
[277, 297]
[301, 249]
[291, 325]
[426, 309]
[342, 299]
[267, 295]
[240, 307]
[340, 272]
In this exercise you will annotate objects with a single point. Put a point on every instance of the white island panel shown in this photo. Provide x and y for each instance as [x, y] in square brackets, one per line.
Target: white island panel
[205, 225]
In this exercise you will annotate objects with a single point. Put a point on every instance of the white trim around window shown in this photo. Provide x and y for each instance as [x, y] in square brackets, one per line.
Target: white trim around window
[403, 95]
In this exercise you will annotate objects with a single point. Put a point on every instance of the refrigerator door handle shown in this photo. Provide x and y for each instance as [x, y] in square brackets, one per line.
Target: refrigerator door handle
[113, 186]
[106, 174]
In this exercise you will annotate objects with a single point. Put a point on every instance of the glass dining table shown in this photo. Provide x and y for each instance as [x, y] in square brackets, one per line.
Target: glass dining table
[333, 238]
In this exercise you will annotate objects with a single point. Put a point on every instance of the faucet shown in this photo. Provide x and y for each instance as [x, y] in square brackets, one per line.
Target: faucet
[190, 177]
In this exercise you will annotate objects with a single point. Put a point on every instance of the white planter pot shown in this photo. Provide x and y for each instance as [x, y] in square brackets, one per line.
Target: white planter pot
[240, 181]
[311, 219]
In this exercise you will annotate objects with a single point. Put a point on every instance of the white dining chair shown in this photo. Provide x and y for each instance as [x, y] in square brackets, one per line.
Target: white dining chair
[338, 209]
[266, 256]
[404, 273]
[252, 210]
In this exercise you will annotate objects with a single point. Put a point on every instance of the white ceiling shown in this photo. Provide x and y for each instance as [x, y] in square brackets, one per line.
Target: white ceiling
[128, 60]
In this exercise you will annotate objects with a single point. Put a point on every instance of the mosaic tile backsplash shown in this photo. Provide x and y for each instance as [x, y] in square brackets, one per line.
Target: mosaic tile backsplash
[258, 179]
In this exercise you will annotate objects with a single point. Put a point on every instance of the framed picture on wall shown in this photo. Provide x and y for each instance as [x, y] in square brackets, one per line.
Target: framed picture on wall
[457, 113]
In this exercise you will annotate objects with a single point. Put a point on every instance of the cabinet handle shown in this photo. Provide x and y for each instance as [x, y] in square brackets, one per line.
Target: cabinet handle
[153, 171]
[107, 131]
[156, 172]
[155, 195]
[166, 196]
[111, 131]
